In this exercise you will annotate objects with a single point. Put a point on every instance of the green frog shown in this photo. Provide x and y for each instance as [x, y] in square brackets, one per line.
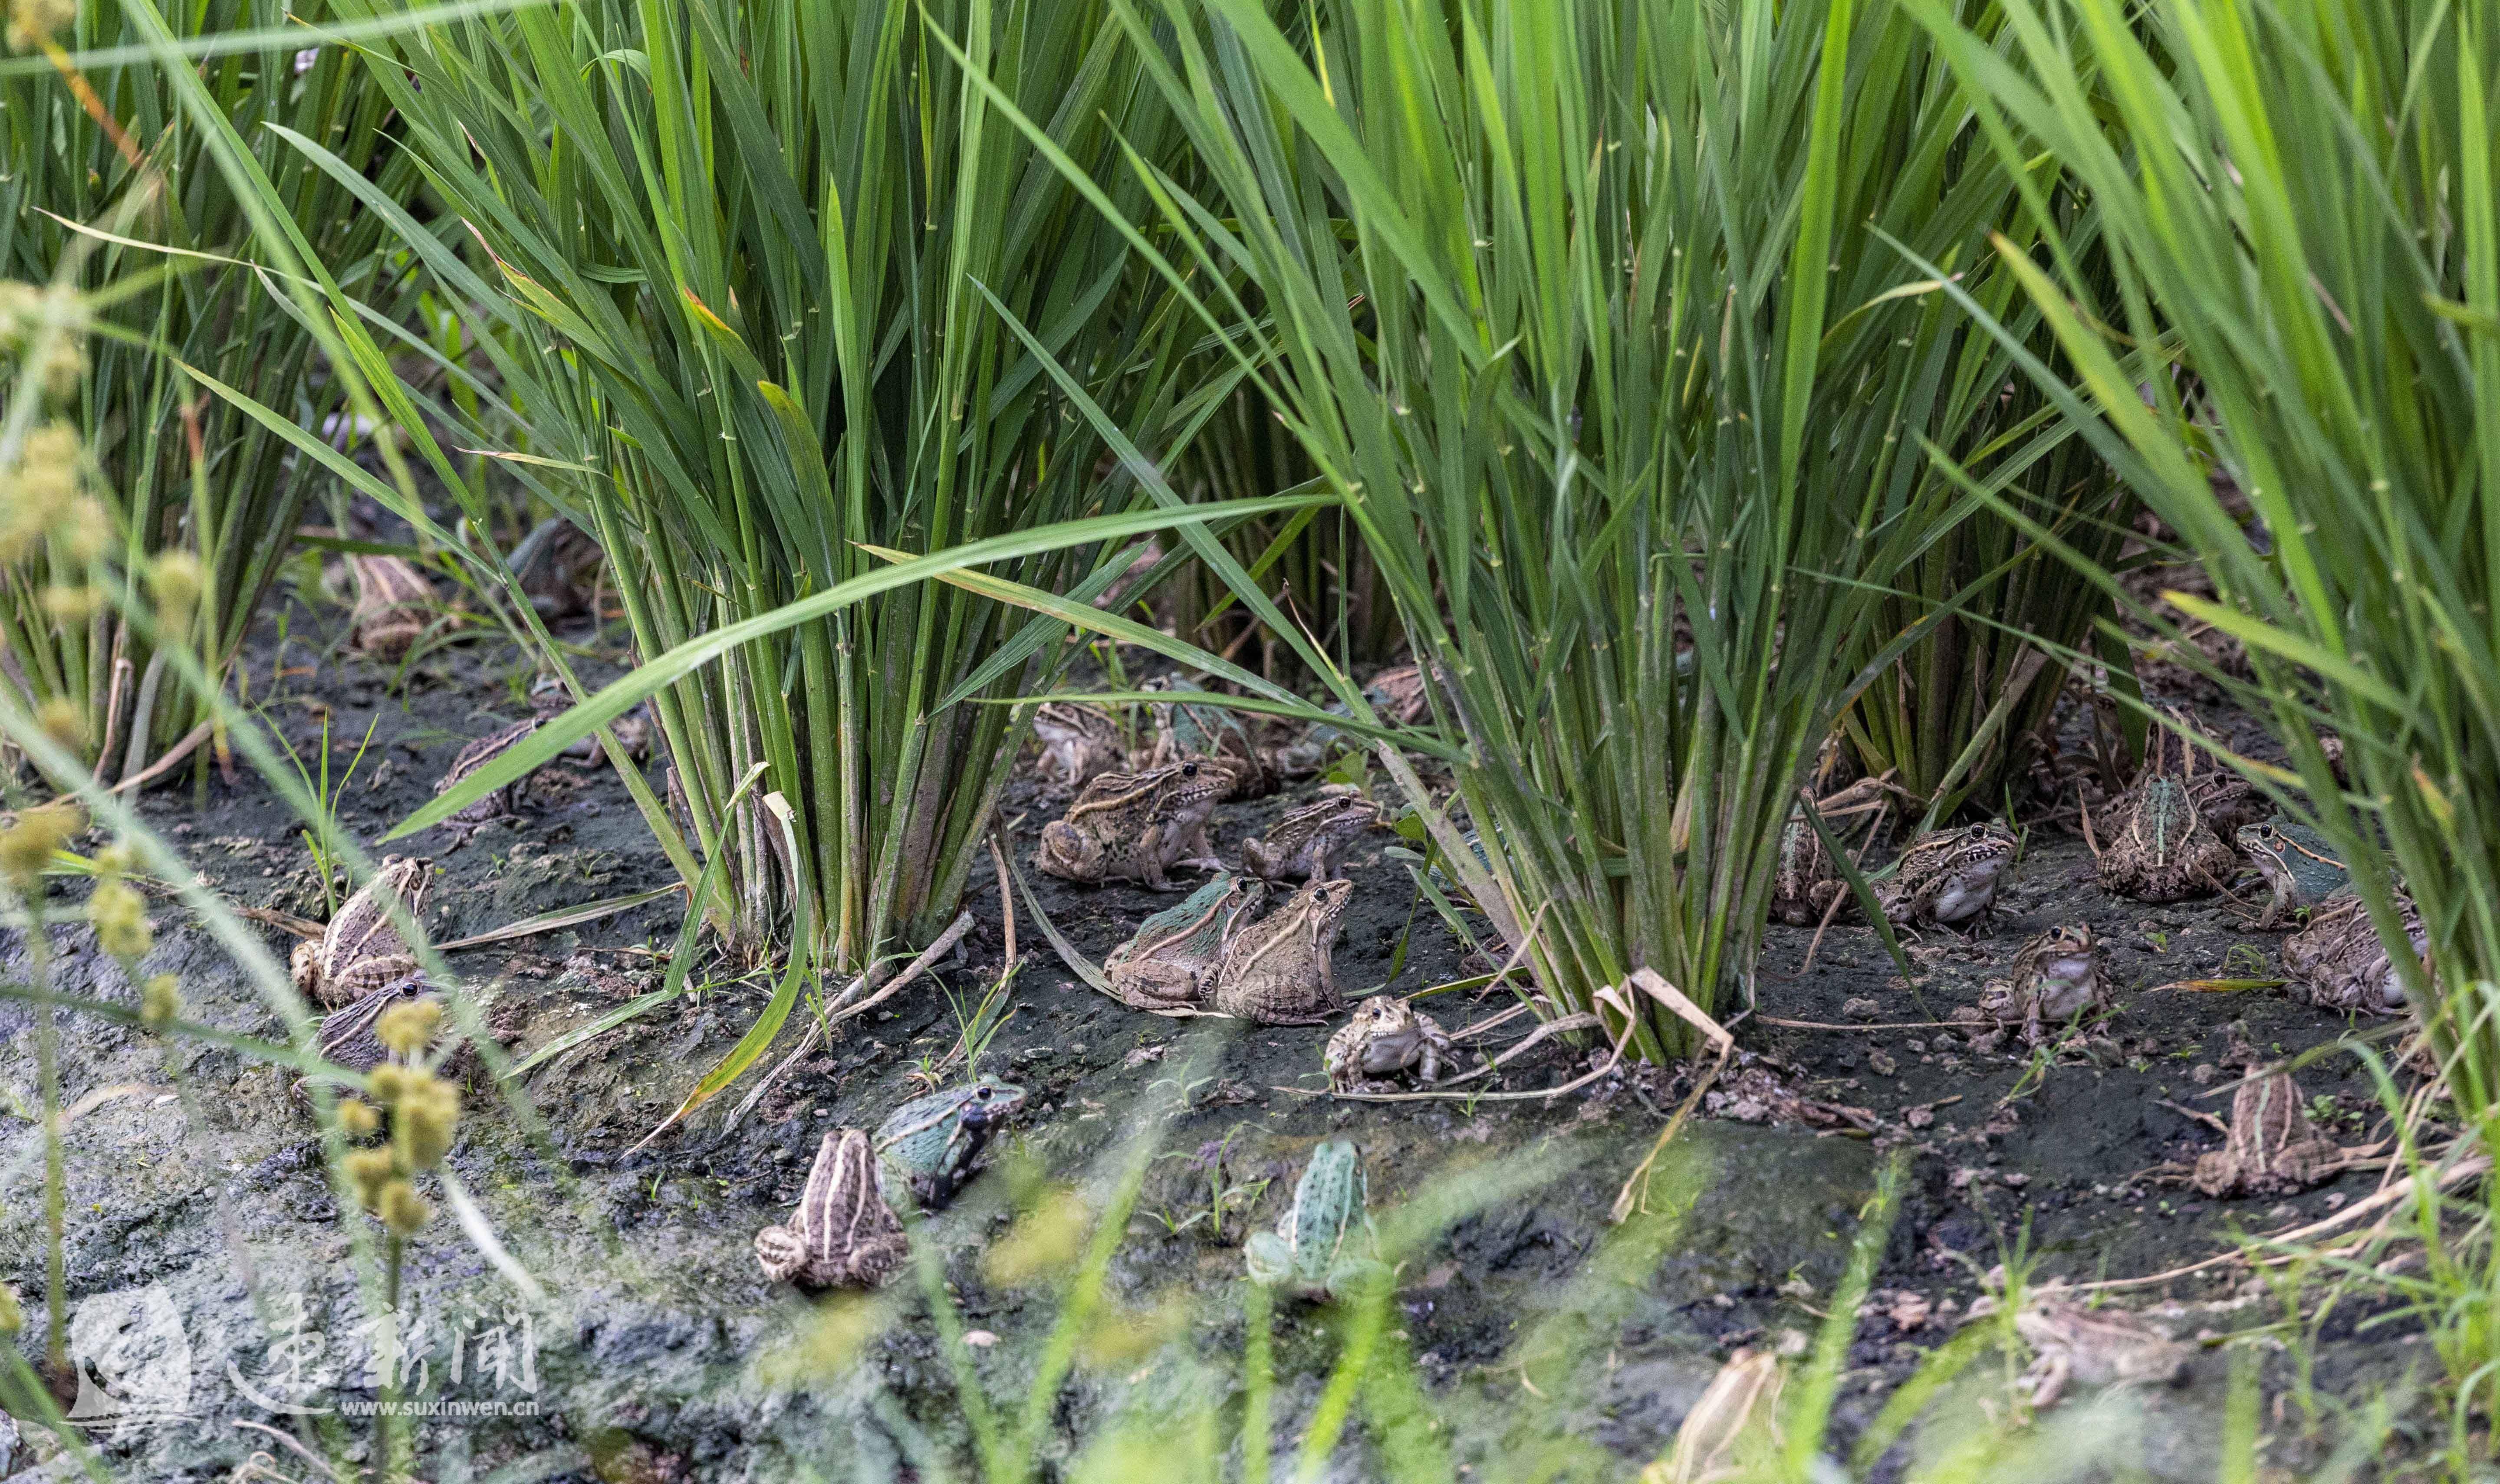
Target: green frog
[1307, 842]
[842, 1233]
[1394, 694]
[2300, 871]
[926, 1149]
[1947, 876]
[1135, 827]
[2340, 961]
[1282, 970]
[1314, 1253]
[1171, 963]
[1386, 1036]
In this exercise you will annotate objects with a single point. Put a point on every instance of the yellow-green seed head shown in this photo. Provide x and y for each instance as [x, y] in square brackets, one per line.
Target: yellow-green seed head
[84, 531]
[33, 22]
[369, 1171]
[120, 920]
[64, 721]
[408, 1028]
[359, 1117]
[160, 1001]
[425, 1125]
[175, 579]
[71, 603]
[388, 1082]
[64, 368]
[117, 860]
[26, 847]
[403, 1209]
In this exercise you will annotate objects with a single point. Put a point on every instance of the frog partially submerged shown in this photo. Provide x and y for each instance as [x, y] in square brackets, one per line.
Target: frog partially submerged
[843, 1235]
[2057, 977]
[1947, 876]
[1320, 1251]
[1078, 741]
[1135, 827]
[361, 951]
[2301, 872]
[2340, 964]
[1171, 962]
[1308, 843]
[1282, 970]
[926, 1149]
[2094, 1347]
[2271, 1148]
[1388, 1036]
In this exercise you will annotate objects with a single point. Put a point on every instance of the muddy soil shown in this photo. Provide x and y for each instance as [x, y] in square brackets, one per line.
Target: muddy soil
[657, 1350]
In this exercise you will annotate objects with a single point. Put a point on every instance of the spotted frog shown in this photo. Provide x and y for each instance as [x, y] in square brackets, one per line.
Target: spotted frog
[2340, 962]
[1805, 884]
[1947, 876]
[360, 950]
[1135, 826]
[926, 1149]
[1315, 1252]
[2095, 1347]
[2300, 873]
[394, 604]
[2160, 849]
[1171, 963]
[842, 1233]
[1386, 1036]
[2056, 977]
[1307, 842]
[1282, 970]
[1077, 742]
[2270, 1149]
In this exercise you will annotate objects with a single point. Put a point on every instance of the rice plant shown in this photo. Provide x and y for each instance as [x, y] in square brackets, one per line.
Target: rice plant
[766, 284]
[2297, 208]
[150, 278]
[1585, 313]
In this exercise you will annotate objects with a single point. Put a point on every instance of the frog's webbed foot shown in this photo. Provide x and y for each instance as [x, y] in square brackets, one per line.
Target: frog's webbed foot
[1267, 1259]
[2045, 1381]
[1351, 1277]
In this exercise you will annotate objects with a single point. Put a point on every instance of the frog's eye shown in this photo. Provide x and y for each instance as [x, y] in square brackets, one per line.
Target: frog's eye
[981, 1093]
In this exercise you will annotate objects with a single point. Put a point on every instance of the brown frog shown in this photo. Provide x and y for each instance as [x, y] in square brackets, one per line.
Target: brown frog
[2095, 1347]
[1171, 963]
[1077, 742]
[2056, 977]
[843, 1235]
[1135, 826]
[347, 1036]
[502, 803]
[1805, 882]
[394, 604]
[360, 950]
[1213, 735]
[1309, 842]
[2160, 849]
[1388, 1036]
[2340, 964]
[2270, 1149]
[560, 568]
[1397, 694]
[1282, 970]
[1947, 876]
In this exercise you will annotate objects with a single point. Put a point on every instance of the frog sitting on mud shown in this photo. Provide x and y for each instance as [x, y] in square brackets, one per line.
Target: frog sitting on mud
[2057, 977]
[1135, 827]
[1947, 876]
[1282, 969]
[845, 1231]
[1171, 963]
[1386, 1036]
[1322, 1249]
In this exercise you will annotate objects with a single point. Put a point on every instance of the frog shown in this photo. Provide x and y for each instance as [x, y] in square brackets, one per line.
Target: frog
[2160, 849]
[1171, 963]
[2056, 977]
[926, 1149]
[1077, 742]
[1135, 827]
[1386, 1036]
[2300, 873]
[1311, 1255]
[1282, 969]
[843, 1235]
[497, 804]
[560, 568]
[2097, 1347]
[1215, 736]
[361, 951]
[2339, 962]
[346, 1035]
[1394, 694]
[394, 604]
[1307, 842]
[1947, 876]
[1805, 882]
[2270, 1148]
